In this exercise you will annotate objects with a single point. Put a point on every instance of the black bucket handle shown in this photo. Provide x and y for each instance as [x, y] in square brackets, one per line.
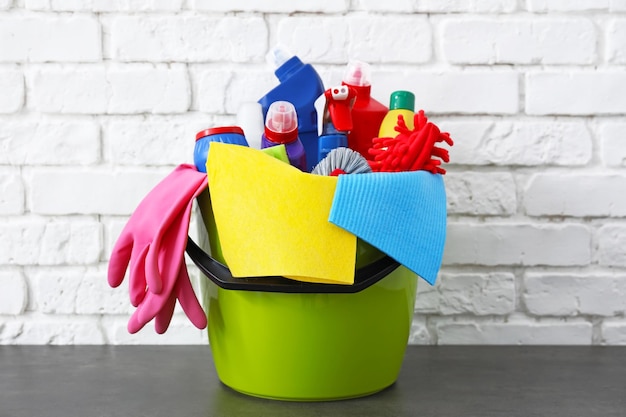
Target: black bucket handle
[221, 276]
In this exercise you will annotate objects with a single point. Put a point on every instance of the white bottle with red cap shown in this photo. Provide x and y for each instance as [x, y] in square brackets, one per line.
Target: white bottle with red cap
[281, 128]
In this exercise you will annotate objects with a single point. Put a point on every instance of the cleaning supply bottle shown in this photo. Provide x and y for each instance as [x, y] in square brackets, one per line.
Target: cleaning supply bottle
[336, 121]
[300, 85]
[250, 118]
[330, 141]
[281, 127]
[224, 134]
[367, 113]
[400, 103]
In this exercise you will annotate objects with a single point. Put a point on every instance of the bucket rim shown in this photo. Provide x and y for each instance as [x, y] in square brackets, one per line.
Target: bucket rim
[219, 274]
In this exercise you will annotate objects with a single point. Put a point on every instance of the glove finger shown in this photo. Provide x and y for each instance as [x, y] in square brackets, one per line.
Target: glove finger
[134, 325]
[137, 281]
[171, 240]
[167, 253]
[155, 302]
[153, 274]
[184, 290]
[164, 316]
[172, 232]
[188, 300]
[150, 303]
[157, 306]
[120, 257]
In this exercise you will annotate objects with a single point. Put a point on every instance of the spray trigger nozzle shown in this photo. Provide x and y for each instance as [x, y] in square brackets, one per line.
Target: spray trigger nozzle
[340, 93]
[339, 101]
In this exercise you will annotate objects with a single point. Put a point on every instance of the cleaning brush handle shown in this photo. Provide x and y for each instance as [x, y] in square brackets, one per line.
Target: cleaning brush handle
[220, 274]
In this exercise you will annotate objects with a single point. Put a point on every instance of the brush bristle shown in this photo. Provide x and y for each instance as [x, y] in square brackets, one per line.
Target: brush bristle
[345, 159]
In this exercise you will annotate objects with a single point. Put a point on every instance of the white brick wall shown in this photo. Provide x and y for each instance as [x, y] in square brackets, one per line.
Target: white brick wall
[611, 136]
[522, 142]
[102, 89]
[576, 92]
[12, 87]
[188, 38]
[39, 38]
[100, 99]
[528, 40]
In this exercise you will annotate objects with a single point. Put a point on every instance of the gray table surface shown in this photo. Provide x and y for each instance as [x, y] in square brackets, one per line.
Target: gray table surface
[180, 381]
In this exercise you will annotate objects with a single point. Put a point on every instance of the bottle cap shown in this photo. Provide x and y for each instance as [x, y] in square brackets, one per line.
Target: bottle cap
[281, 122]
[278, 55]
[218, 131]
[402, 100]
[357, 74]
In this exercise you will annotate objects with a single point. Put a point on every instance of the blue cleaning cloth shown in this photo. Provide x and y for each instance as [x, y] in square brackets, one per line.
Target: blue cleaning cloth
[403, 214]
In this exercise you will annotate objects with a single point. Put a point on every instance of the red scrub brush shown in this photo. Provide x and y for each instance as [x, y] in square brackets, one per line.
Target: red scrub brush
[412, 149]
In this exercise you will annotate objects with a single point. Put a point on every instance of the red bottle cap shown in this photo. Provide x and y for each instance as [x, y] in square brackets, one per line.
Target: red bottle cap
[281, 122]
[218, 131]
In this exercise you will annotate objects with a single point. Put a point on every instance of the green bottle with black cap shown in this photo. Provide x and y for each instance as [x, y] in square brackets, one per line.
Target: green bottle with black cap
[401, 103]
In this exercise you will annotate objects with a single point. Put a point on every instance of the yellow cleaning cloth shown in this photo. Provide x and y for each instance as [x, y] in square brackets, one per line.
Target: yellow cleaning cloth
[272, 219]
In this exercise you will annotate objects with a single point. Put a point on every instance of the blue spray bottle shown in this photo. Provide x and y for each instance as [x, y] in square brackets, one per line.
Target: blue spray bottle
[337, 119]
[300, 85]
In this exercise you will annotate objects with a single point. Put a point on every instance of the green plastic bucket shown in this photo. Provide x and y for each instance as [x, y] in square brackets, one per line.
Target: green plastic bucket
[276, 338]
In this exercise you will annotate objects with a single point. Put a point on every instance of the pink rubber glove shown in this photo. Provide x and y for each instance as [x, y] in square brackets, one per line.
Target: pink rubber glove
[139, 241]
[176, 283]
[152, 241]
